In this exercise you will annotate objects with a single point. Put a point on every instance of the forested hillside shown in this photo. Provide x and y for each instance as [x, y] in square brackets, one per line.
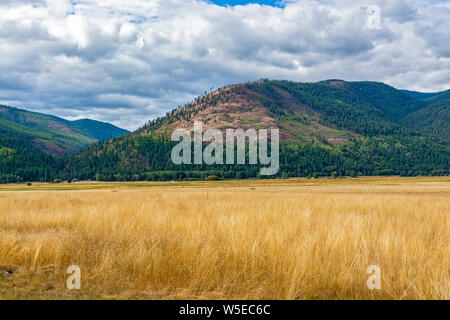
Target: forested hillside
[98, 130]
[20, 161]
[428, 97]
[51, 134]
[45, 132]
[434, 119]
[330, 128]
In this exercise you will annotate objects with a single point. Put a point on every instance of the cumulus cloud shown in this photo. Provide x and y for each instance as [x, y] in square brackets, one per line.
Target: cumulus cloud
[128, 61]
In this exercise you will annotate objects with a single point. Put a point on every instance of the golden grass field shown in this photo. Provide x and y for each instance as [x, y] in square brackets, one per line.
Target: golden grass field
[275, 239]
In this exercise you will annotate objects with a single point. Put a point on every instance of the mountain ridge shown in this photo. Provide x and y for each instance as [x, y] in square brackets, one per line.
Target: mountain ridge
[98, 130]
[326, 105]
[428, 96]
[52, 134]
[328, 128]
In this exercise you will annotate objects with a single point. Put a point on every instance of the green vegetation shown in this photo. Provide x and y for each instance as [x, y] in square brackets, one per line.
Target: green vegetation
[429, 97]
[337, 104]
[51, 134]
[98, 130]
[434, 119]
[20, 161]
[43, 131]
[111, 161]
[249, 120]
[393, 103]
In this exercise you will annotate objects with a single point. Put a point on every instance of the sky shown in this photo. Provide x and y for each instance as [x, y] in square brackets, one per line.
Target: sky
[129, 61]
[277, 3]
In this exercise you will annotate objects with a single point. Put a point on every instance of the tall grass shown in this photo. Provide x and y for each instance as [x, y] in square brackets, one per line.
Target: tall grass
[262, 242]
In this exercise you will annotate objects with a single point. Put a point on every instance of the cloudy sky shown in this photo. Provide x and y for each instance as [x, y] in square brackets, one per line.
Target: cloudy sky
[128, 61]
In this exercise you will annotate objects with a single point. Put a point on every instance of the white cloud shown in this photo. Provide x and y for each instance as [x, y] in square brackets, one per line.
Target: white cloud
[127, 61]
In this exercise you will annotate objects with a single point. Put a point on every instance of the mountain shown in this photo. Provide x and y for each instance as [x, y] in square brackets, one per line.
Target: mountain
[327, 128]
[393, 103]
[423, 96]
[325, 111]
[21, 161]
[51, 134]
[331, 111]
[97, 129]
[429, 97]
[445, 95]
[434, 119]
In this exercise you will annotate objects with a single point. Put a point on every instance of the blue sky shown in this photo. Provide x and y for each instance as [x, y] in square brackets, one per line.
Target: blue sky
[241, 2]
[127, 62]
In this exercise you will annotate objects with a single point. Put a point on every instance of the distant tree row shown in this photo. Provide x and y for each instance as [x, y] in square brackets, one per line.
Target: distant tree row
[138, 158]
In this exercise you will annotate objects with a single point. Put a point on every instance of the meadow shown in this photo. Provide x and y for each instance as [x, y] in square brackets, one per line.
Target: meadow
[267, 239]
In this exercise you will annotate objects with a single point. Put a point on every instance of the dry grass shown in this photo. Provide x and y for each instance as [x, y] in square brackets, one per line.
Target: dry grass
[297, 239]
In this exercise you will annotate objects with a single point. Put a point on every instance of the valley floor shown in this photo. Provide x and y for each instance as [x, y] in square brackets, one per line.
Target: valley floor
[259, 239]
